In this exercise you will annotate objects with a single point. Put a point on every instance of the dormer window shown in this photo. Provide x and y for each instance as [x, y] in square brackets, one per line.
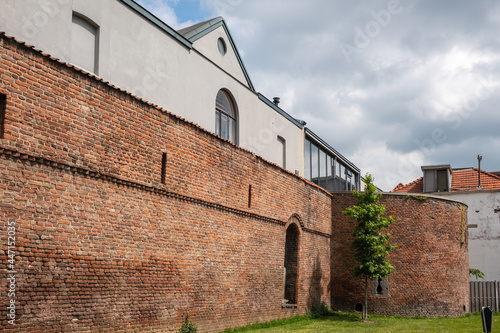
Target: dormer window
[221, 45]
[437, 178]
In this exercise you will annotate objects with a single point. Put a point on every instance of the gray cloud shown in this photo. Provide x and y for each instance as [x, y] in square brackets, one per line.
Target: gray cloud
[391, 84]
[407, 80]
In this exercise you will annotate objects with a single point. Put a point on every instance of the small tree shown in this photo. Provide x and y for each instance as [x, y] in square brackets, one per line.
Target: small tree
[370, 245]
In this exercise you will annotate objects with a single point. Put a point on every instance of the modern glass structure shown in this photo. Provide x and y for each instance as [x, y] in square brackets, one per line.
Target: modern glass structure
[325, 167]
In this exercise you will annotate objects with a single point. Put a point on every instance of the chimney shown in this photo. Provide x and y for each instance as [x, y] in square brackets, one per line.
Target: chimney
[276, 101]
[479, 159]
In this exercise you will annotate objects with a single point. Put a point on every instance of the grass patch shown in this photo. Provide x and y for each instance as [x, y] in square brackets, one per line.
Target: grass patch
[348, 322]
[270, 324]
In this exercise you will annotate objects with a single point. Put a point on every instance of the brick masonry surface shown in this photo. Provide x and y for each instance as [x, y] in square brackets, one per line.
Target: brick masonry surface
[127, 218]
[102, 244]
[431, 261]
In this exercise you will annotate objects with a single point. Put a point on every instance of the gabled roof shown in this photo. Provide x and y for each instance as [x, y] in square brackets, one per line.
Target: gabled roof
[461, 180]
[199, 30]
[189, 35]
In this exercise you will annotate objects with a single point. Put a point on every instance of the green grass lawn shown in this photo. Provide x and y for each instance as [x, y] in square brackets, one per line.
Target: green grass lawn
[344, 322]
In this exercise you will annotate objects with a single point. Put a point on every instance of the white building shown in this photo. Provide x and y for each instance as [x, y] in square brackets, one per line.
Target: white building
[484, 230]
[196, 73]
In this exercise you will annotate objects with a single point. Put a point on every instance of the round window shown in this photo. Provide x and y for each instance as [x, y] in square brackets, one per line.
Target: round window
[222, 46]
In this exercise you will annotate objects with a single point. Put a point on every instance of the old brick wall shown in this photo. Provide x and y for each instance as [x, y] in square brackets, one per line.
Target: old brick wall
[106, 242]
[431, 261]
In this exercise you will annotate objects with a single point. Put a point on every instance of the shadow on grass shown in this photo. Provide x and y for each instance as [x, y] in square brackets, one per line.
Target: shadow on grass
[341, 316]
[331, 317]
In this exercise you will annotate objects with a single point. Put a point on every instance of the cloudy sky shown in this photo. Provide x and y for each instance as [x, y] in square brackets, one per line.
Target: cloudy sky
[391, 84]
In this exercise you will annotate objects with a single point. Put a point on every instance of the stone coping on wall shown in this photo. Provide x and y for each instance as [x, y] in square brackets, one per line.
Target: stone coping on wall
[415, 195]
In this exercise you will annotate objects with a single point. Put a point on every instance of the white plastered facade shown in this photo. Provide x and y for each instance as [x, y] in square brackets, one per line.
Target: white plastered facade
[161, 67]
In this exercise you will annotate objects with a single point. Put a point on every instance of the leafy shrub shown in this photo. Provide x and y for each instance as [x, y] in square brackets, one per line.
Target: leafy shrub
[187, 326]
[319, 310]
[477, 273]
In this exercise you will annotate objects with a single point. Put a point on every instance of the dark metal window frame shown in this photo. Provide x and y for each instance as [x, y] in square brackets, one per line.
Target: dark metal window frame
[220, 112]
[342, 181]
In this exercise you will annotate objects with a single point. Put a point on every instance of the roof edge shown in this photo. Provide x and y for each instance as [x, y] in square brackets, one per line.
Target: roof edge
[156, 21]
[437, 167]
[280, 111]
[250, 84]
[204, 28]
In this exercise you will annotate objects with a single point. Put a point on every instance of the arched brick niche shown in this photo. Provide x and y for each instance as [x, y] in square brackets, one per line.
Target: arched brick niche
[431, 261]
[291, 264]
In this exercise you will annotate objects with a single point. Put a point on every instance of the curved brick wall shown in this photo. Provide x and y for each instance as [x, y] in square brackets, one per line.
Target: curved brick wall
[432, 266]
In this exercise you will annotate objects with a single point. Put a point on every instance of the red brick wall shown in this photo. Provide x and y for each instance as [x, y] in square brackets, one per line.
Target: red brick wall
[102, 244]
[431, 261]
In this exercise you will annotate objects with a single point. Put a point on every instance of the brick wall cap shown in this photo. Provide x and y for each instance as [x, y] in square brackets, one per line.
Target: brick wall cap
[436, 197]
[405, 195]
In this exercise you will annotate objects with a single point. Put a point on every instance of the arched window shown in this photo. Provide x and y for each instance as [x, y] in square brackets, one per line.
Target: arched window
[225, 116]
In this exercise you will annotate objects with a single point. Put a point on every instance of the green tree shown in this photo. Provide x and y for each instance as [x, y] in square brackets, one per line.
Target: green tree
[370, 244]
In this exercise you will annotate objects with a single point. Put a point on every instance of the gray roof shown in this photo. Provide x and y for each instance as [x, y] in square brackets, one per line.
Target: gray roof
[198, 28]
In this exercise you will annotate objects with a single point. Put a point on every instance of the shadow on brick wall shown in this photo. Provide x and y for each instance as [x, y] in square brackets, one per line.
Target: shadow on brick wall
[315, 284]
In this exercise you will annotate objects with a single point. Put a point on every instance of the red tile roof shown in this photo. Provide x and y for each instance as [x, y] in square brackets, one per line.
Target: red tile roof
[416, 186]
[461, 180]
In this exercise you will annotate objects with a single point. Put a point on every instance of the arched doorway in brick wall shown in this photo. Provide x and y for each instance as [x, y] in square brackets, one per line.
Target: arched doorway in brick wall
[291, 264]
